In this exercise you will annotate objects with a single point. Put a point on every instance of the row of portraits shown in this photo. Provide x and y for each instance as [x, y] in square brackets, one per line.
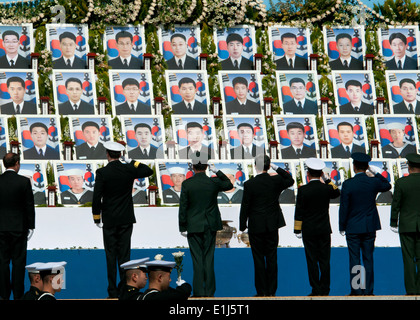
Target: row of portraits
[236, 46]
[75, 180]
[188, 93]
[246, 136]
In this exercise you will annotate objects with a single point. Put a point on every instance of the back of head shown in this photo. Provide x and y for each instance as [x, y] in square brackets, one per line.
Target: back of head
[262, 162]
[10, 160]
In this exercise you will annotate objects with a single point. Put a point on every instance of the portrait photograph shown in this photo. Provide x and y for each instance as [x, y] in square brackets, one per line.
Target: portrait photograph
[290, 46]
[180, 47]
[16, 46]
[39, 137]
[187, 92]
[236, 47]
[195, 136]
[402, 166]
[89, 135]
[144, 136]
[403, 92]
[399, 47]
[345, 47]
[69, 45]
[397, 135]
[345, 135]
[354, 92]
[297, 136]
[74, 92]
[18, 92]
[298, 92]
[4, 136]
[287, 196]
[140, 193]
[246, 136]
[75, 181]
[131, 92]
[242, 92]
[237, 172]
[170, 175]
[125, 47]
[37, 174]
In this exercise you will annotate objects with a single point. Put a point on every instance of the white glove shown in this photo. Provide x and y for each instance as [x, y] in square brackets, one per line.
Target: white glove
[125, 159]
[99, 225]
[30, 233]
[298, 235]
[184, 234]
[274, 166]
[394, 229]
[343, 233]
[372, 170]
[180, 282]
[212, 168]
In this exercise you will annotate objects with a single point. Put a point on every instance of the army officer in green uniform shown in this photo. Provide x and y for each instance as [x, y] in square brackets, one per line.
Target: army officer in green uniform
[405, 219]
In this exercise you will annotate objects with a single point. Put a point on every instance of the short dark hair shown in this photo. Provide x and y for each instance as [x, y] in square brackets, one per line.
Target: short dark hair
[113, 154]
[240, 80]
[186, 80]
[343, 124]
[10, 33]
[296, 80]
[361, 165]
[67, 35]
[315, 173]
[397, 35]
[234, 37]
[295, 125]
[178, 35]
[194, 124]
[123, 34]
[245, 124]
[353, 83]
[130, 81]
[343, 36]
[199, 166]
[407, 80]
[38, 125]
[10, 159]
[265, 160]
[288, 35]
[73, 79]
[142, 125]
[90, 124]
[16, 79]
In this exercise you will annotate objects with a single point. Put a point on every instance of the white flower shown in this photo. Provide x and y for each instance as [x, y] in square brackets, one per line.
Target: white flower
[158, 257]
[178, 254]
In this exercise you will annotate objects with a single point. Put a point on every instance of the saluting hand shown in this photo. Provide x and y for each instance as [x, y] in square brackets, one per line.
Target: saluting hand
[212, 168]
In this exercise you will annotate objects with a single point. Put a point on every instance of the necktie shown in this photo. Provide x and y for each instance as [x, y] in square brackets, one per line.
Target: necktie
[347, 149]
[247, 151]
[235, 64]
[291, 63]
[12, 63]
[299, 105]
[132, 107]
[346, 65]
[75, 107]
[145, 152]
[356, 108]
[399, 64]
[92, 149]
[68, 63]
[180, 64]
[410, 108]
[18, 109]
[125, 63]
[189, 107]
[41, 153]
[298, 151]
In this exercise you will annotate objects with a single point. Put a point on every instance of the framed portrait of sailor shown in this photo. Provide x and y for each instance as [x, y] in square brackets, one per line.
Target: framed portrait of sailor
[397, 135]
[140, 185]
[345, 47]
[246, 136]
[39, 137]
[4, 136]
[125, 46]
[19, 92]
[297, 136]
[242, 92]
[170, 175]
[287, 196]
[236, 47]
[298, 92]
[195, 136]
[187, 91]
[69, 45]
[354, 92]
[131, 92]
[16, 46]
[37, 174]
[74, 92]
[237, 172]
[346, 135]
[75, 181]
[180, 47]
[399, 47]
[403, 92]
[144, 136]
[89, 135]
[290, 46]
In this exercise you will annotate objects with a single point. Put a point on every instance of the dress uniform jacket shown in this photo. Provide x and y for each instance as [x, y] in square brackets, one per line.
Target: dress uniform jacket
[32, 294]
[129, 293]
[179, 293]
[84, 152]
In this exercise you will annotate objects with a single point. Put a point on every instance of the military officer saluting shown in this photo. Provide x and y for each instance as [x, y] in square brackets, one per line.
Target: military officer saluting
[136, 279]
[405, 219]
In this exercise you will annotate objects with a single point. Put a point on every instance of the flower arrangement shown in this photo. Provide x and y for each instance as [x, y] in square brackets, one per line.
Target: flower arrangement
[178, 256]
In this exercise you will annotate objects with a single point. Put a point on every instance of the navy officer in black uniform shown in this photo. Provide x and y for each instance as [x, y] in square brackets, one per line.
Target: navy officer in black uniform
[136, 279]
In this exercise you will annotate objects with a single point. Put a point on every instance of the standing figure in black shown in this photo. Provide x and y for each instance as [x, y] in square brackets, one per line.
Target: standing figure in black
[113, 211]
[17, 222]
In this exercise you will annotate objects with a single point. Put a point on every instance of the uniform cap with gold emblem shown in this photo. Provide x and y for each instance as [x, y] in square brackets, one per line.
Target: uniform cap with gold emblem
[160, 265]
[135, 264]
[413, 159]
[114, 146]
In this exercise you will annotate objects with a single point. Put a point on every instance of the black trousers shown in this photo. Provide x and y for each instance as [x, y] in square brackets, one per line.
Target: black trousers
[13, 247]
[410, 248]
[318, 253]
[264, 253]
[117, 244]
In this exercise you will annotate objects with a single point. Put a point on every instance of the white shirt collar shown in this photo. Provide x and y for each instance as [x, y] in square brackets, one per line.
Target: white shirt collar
[44, 148]
[128, 59]
[71, 60]
[184, 57]
[14, 58]
[192, 104]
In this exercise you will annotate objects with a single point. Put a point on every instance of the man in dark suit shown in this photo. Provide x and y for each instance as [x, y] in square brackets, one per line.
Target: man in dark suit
[12, 59]
[68, 59]
[195, 137]
[113, 211]
[261, 214]
[345, 61]
[346, 146]
[132, 105]
[400, 61]
[242, 105]
[75, 105]
[18, 105]
[181, 60]
[312, 224]
[41, 150]
[188, 105]
[297, 149]
[125, 60]
[290, 61]
[145, 150]
[92, 148]
[405, 219]
[356, 105]
[235, 47]
[359, 220]
[300, 104]
[410, 104]
[248, 149]
[398, 148]
[17, 223]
